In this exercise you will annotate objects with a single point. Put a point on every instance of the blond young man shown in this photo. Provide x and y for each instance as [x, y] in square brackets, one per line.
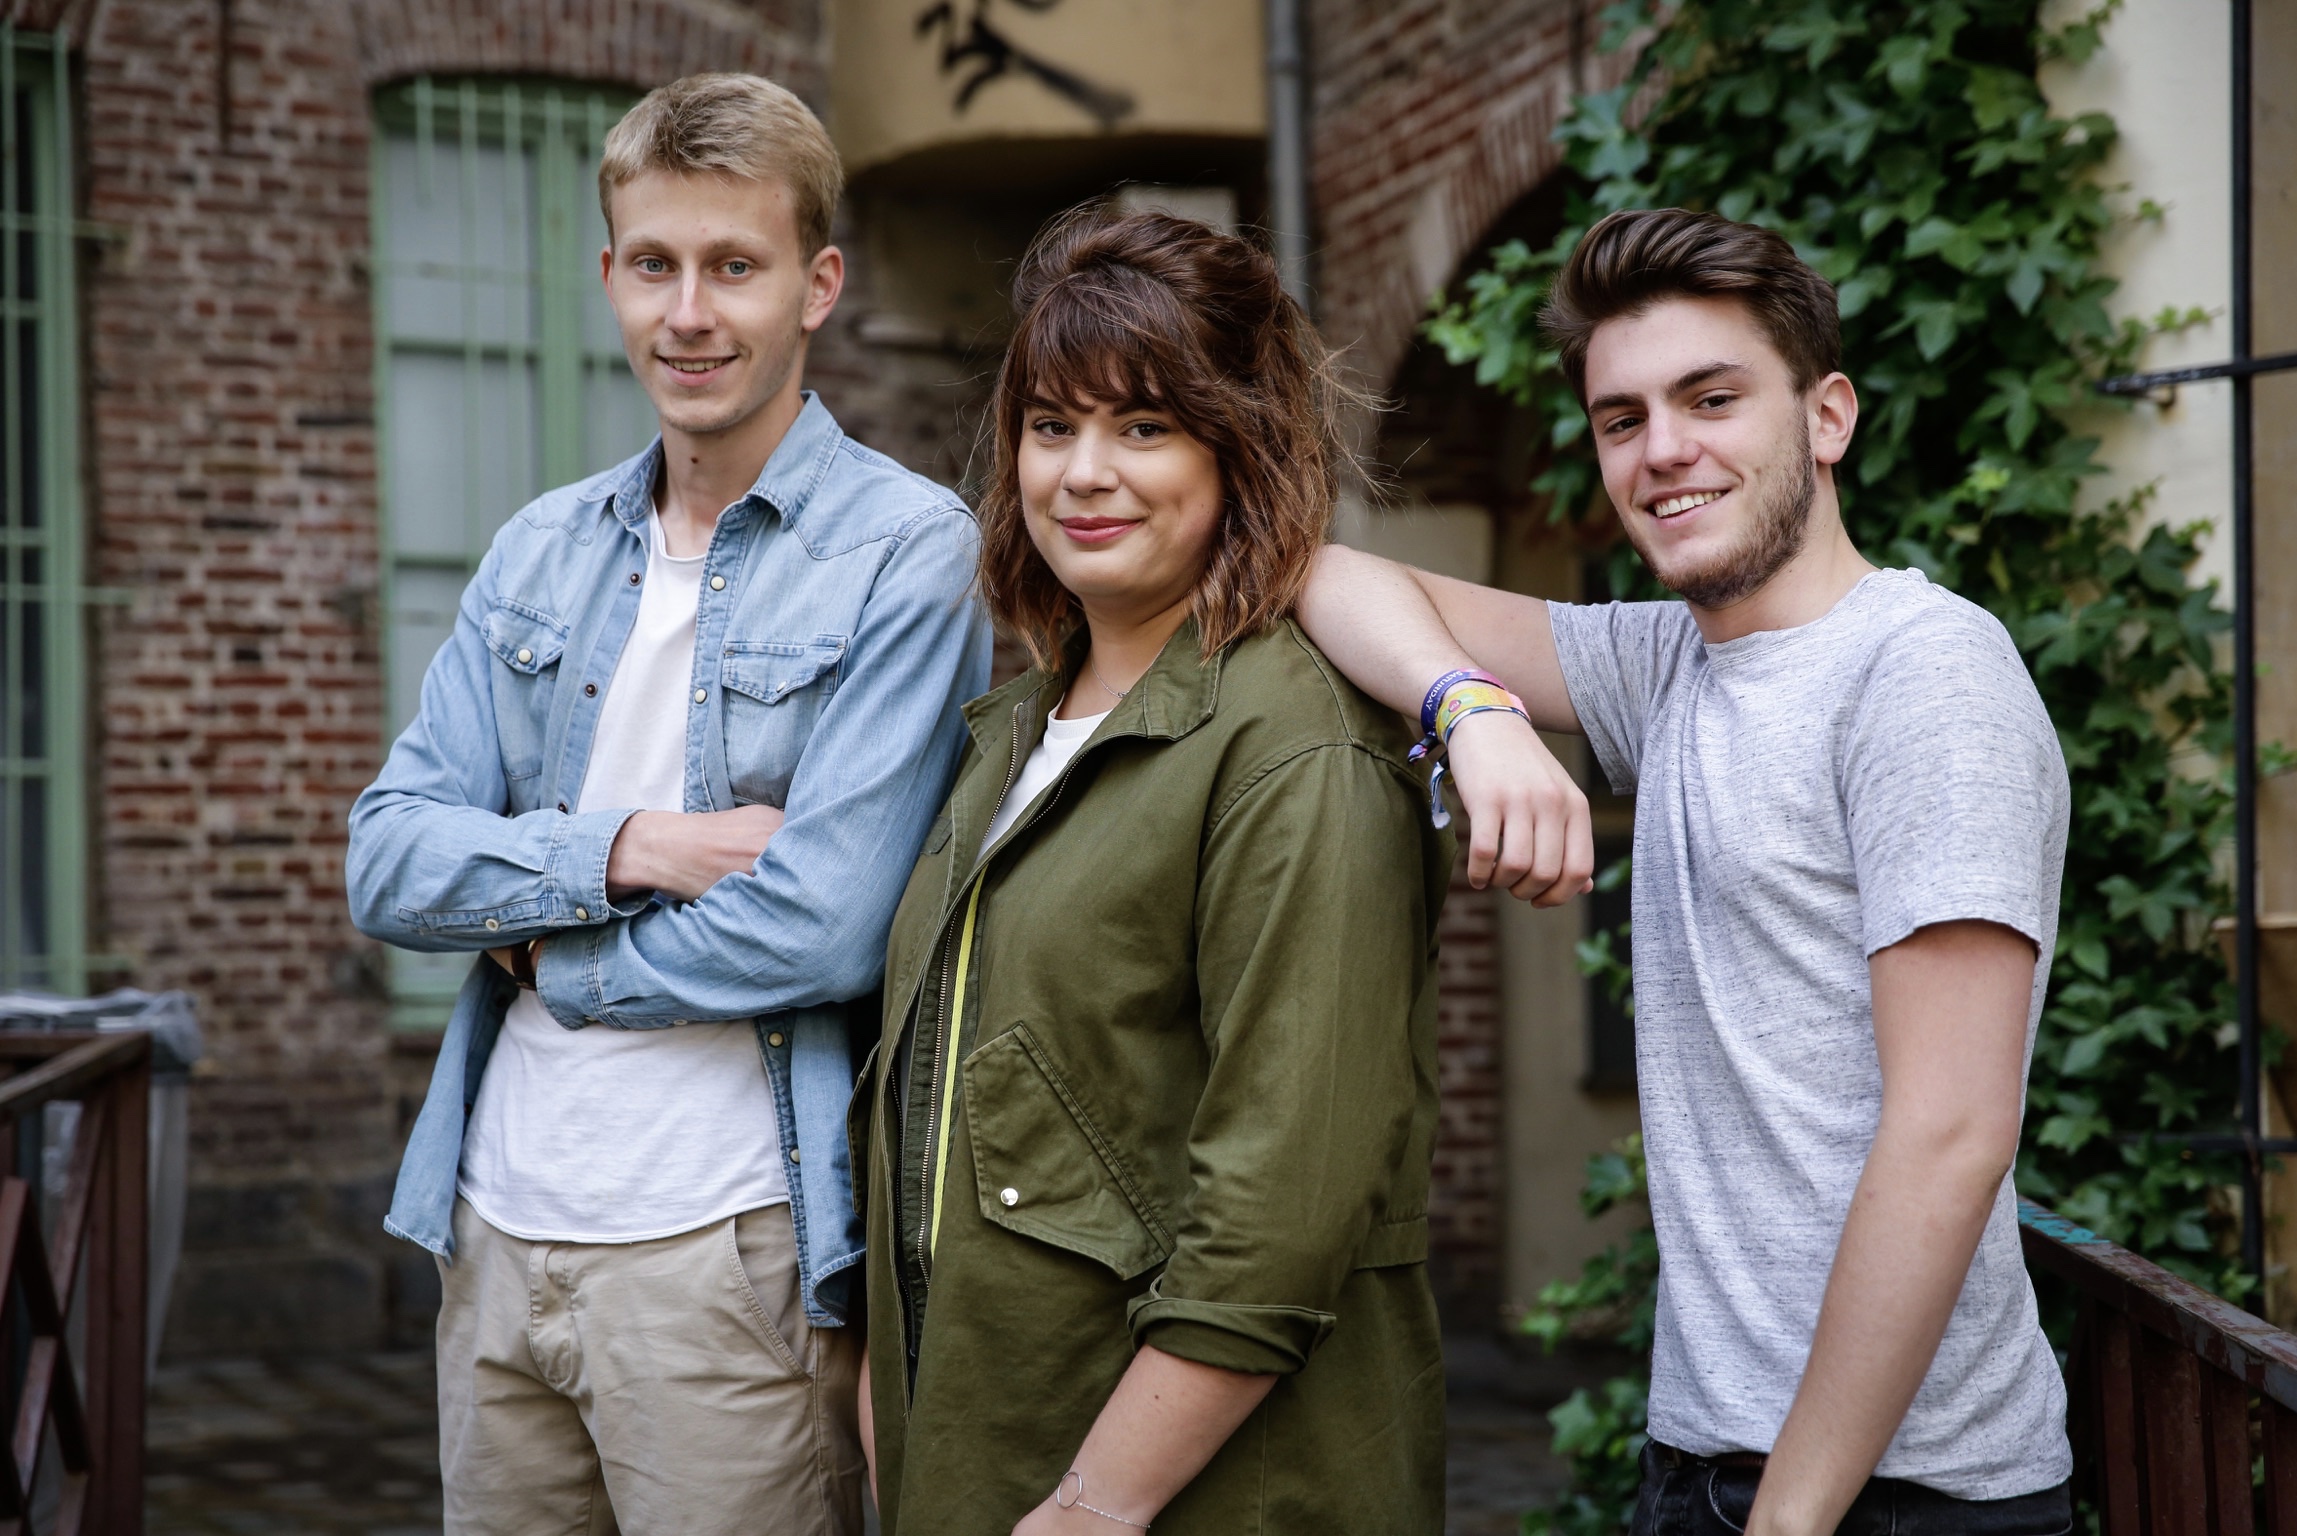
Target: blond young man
[669, 775]
[1850, 827]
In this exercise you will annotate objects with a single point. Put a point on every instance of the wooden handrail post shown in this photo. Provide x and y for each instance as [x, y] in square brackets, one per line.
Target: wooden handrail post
[117, 1262]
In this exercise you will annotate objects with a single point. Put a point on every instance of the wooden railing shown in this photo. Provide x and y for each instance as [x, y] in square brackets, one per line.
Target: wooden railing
[83, 1275]
[2173, 1395]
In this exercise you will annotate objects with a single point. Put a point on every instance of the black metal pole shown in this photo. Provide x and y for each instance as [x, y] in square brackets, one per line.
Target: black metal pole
[2245, 690]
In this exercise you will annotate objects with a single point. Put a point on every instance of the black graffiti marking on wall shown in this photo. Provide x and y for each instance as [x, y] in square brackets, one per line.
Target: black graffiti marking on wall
[975, 43]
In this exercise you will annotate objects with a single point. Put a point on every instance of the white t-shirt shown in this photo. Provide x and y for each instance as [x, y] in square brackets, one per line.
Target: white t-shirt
[1803, 798]
[600, 1135]
[1044, 765]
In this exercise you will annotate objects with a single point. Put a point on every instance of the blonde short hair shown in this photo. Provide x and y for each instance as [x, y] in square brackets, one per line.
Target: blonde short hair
[728, 125]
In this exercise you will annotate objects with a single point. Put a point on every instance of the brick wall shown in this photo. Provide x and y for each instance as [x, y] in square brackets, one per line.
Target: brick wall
[1429, 118]
[232, 494]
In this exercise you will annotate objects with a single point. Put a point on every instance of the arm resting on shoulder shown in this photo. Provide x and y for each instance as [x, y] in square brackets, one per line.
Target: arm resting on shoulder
[1950, 1009]
[1391, 630]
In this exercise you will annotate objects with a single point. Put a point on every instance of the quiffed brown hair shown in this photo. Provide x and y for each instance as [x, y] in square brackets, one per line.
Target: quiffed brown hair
[728, 125]
[1636, 258]
[1149, 309]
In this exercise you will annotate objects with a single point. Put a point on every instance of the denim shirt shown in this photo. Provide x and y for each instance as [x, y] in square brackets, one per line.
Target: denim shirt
[833, 647]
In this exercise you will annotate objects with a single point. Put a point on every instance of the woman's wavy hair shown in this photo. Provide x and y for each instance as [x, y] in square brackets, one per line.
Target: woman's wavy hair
[1149, 309]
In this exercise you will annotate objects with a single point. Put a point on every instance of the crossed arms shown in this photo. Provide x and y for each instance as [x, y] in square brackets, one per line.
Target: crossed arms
[435, 863]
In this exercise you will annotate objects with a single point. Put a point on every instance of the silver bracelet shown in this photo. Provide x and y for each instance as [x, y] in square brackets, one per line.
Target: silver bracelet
[1077, 1500]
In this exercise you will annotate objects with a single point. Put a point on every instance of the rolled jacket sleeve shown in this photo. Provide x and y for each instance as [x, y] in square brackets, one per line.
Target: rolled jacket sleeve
[807, 925]
[1313, 936]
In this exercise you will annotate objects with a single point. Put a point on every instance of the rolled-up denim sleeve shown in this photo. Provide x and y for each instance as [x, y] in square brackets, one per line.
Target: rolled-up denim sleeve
[1312, 934]
[434, 861]
[808, 924]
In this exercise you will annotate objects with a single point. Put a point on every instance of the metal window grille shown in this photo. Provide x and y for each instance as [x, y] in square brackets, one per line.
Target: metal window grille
[43, 714]
[500, 371]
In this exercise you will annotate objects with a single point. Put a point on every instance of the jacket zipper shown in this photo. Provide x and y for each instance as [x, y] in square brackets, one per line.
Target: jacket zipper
[944, 1037]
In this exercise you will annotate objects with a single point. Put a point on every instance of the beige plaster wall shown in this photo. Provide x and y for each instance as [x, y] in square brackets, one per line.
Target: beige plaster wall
[2164, 76]
[1186, 67]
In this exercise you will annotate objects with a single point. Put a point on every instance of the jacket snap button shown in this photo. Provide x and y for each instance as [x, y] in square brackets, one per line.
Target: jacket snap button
[492, 925]
[634, 578]
[717, 583]
[562, 807]
[582, 914]
[700, 694]
[589, 691]
[793, 1154]
[774, 1039]
[524, 654]
[1009, 1196]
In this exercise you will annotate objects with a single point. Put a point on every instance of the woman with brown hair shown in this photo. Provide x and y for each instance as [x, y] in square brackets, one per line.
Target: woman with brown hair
[1147, 1130]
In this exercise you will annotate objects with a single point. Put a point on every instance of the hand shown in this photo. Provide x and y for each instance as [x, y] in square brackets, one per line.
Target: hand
[1528, 821]
[683, 854]
[507, 956]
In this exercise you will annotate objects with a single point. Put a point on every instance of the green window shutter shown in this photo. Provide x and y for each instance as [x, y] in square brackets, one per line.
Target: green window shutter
[499, 369]
[43, 684]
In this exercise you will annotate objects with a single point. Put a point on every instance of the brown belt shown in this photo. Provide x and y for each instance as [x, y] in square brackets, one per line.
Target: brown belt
[1753, 1460]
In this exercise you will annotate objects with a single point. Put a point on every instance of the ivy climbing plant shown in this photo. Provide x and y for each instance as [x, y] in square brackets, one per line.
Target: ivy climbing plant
[1906, 149]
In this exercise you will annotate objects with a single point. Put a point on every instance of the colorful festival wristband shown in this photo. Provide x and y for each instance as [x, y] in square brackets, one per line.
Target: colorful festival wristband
[1452, 698]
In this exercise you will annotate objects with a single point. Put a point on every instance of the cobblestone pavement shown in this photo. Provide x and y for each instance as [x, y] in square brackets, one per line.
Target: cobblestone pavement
[349, 1447]
[345, 1447]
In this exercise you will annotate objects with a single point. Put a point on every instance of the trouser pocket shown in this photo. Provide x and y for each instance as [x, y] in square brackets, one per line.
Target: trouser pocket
[761, 1247]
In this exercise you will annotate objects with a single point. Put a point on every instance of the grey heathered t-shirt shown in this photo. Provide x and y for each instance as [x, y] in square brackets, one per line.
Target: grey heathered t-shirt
[1804, 798]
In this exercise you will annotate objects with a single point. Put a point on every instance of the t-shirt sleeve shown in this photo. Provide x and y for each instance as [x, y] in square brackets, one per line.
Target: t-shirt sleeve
[1618, 659]
[1954, 785]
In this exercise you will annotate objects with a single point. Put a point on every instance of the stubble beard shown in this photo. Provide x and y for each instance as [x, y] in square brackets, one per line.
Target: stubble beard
[1781, 522]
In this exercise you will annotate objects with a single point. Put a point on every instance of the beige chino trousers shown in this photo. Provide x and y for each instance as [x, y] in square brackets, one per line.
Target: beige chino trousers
[664, 1388]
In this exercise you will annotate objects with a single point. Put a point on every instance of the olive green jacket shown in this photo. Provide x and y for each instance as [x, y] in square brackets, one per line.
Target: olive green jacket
[1192, 1103]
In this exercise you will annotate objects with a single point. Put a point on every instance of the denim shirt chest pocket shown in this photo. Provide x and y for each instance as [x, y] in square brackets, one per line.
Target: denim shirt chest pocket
[774, 692]
[527, 644]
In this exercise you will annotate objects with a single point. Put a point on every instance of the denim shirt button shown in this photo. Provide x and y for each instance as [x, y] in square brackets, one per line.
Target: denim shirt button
[700, 694]
[562, 807]
[775, 1039]
[717, 583]
[493, 924]
[634, 578]
[582, 914]
[793, 1154]
[589, 691]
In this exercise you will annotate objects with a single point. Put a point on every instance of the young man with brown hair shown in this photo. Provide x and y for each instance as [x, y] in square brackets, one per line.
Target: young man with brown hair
[1849, 835]
[671, 772]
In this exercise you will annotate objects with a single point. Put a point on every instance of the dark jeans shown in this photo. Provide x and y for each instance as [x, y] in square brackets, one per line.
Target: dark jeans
[1685, 1495]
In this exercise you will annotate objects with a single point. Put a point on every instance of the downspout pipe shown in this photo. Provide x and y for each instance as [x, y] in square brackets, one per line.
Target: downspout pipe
[1288, 147]
[2246, 904]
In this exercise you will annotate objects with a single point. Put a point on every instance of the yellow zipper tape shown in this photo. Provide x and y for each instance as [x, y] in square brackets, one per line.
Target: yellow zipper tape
[949, 1065]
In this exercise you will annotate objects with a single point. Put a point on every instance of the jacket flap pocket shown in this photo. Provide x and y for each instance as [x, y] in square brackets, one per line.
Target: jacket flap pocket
[523, 639]
[771, 670]
[1042, 1169]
